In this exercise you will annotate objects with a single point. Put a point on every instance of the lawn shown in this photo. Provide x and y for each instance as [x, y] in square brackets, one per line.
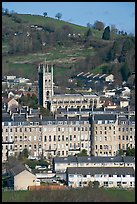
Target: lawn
[70, 195]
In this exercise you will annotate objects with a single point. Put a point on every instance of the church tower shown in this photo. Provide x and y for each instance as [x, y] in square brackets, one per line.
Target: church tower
[45, 84]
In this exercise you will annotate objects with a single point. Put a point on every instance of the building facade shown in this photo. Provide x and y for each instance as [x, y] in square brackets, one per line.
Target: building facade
[99, 134]
[110, 177]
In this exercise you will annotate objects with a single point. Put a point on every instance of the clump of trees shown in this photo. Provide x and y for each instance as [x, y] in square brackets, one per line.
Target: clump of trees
[31, 101]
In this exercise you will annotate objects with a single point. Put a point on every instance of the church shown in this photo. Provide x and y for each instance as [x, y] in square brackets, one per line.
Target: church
[52, 101]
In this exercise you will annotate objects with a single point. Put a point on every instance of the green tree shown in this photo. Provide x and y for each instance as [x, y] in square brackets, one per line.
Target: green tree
[83, 153]
[120, 152]
[125, 72]
[130, 151]
[58, 16]
[106, 33]
[95, 184]
[45, 14]
[24, 154]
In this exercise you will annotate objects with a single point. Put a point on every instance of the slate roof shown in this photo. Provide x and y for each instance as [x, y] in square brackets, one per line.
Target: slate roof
[19, 118]
[105, 117]
[99, 159]
[129, 159]
[101, 170]
[68, 159]
[6, 117]
[17, 169]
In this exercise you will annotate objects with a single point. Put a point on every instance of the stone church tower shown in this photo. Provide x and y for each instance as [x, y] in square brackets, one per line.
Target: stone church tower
[45, 84]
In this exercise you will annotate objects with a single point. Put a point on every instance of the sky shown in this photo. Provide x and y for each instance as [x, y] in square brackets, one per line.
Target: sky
[120, 14]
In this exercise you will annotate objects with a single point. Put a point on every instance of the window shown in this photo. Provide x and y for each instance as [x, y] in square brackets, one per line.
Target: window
[118, 183]
[20, 138]
[86, 129]
[58, 129]
[100, 146]
[58, 137]
[123, 137]
[25, 137]
[49, 138]
[74, 128]
[54, 138]
[127, 137]
[45, 139]
[105, 183]
[62, 137]
[70, 137]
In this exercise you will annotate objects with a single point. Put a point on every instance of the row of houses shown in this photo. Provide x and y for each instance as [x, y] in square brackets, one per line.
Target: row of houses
[77, 172]
[100, 133]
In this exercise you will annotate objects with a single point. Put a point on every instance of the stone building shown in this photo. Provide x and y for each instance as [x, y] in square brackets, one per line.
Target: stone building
[47, 98]
[100, 133]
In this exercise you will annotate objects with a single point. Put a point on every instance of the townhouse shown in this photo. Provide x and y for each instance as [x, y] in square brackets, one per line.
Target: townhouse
[112, 132]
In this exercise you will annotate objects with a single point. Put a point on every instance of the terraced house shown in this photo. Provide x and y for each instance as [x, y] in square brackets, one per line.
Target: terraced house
[99, 134]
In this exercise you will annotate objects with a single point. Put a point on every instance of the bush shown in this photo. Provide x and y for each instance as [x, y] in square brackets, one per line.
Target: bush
[95, 184]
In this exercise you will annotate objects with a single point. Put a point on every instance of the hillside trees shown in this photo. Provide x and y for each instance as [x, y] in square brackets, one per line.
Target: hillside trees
[115, 51]
[125, 72]
[127, 45]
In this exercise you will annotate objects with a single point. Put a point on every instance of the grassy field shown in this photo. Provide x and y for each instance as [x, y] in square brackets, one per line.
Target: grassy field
[71, 195]
[25, 65]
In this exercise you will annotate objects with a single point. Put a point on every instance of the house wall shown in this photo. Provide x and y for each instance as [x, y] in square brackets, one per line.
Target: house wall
[23, 180]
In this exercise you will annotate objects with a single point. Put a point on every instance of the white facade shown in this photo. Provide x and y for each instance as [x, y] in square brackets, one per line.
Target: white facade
[106, 178]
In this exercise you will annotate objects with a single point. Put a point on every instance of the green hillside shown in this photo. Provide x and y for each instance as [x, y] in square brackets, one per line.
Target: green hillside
[29, 39]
